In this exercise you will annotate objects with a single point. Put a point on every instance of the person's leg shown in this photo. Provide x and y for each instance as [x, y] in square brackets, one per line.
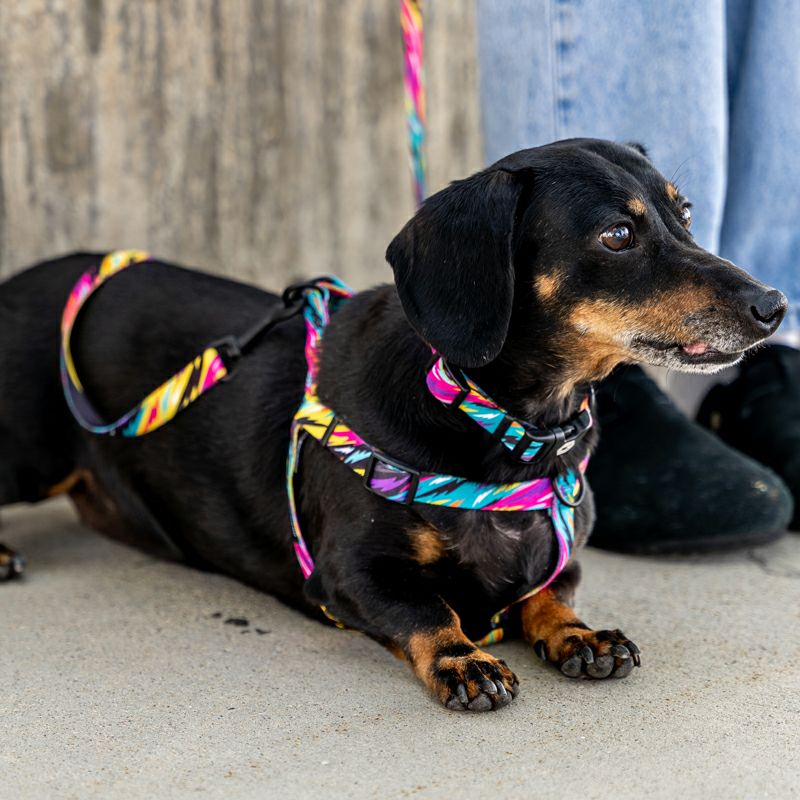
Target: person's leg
[759, 411]
[761, 228]
[653, 73]
[650, 72]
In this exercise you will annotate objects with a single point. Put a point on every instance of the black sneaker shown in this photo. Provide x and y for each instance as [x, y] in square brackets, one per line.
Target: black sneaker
[759, 414]
[663, 484]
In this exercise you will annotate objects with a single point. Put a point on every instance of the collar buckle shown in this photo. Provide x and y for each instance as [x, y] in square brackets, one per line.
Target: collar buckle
[559, 438]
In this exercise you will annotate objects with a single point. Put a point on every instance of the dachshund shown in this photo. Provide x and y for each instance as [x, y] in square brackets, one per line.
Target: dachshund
[529, 281]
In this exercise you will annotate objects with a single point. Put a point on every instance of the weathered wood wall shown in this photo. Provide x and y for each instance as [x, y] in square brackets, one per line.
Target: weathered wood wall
[258, 138]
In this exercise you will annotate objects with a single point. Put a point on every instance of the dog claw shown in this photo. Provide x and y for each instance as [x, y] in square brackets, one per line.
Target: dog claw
[540, 649]
[503, 696]
[620, 651]
[461, 692]
[488, 687]
[587, 655]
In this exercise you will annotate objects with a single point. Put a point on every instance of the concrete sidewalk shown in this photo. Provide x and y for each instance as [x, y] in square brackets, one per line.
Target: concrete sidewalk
[121, 679]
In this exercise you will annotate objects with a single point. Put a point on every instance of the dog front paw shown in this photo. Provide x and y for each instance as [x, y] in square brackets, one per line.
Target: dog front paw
[474, 682]
[12, 564]
[590, 654]
[463, 677]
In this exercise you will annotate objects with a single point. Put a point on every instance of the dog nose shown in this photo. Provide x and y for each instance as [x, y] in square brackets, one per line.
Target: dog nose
[768, 309]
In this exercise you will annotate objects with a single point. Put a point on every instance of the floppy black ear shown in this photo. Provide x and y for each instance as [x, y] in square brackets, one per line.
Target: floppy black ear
[453, 267]
[640, 148]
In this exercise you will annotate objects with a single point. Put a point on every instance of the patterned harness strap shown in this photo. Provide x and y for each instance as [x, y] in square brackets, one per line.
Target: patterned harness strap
[163, 403]
[399, 483]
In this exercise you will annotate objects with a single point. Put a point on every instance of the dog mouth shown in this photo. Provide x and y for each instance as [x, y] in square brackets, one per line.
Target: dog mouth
[692, 354]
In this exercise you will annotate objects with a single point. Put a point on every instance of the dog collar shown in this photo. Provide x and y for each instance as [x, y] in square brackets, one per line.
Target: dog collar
[525, 442]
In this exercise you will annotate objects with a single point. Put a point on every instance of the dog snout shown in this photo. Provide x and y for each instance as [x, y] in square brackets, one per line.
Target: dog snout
[767, 308]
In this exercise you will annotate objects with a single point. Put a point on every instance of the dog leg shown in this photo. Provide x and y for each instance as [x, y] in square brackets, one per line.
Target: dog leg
[559, 637]
[391, 601]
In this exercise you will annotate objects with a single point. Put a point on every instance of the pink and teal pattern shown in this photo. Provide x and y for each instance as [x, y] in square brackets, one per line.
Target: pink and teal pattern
[164, 402]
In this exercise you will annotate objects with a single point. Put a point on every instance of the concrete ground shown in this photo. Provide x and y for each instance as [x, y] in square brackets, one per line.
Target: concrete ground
[122, 679]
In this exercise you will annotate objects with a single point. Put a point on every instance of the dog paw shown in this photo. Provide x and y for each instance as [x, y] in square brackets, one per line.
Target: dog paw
[12, 564]
[591, 654]
[473, 682]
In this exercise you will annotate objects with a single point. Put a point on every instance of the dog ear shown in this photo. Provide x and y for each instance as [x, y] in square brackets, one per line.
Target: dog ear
[453, 266]
[640, 148]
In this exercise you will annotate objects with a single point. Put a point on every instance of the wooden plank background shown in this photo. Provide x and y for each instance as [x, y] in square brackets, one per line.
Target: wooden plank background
[258, 138]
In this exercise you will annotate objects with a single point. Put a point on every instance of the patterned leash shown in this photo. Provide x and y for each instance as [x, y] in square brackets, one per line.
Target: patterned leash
[414, 80]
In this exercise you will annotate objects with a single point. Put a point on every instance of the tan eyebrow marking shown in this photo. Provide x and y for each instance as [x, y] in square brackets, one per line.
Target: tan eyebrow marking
[547, 285]
[672, 191]
[637, 207]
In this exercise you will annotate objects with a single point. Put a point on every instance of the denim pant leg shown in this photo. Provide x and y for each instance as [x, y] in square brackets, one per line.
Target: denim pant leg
[652, 72]
[761, 225]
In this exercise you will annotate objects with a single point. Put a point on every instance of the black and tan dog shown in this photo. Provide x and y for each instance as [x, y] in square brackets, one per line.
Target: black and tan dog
[536, 276]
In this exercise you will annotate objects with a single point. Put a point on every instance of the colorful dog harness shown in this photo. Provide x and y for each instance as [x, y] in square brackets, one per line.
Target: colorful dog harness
[400, 483]
[380, 474]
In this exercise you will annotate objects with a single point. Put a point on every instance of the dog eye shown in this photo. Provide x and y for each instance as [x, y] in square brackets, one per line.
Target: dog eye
[617, 237]
[686, 216]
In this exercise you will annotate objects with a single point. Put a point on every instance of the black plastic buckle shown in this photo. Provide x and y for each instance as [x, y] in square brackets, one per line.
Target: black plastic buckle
[230, 352]
[561, 438]
[412, 474]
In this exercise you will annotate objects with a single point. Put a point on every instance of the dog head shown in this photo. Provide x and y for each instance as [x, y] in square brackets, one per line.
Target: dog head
[578, 254]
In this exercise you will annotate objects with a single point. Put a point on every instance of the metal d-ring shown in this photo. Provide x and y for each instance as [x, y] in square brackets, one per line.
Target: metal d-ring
[581, 492]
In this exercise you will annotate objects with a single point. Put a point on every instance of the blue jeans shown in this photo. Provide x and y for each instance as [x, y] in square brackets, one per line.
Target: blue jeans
[711, 88]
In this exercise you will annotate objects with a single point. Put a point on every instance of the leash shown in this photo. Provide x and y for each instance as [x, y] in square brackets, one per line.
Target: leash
[211, 366]
[414, 83]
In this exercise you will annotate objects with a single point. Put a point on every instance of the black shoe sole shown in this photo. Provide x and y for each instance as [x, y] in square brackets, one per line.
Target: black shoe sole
[685, 547]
